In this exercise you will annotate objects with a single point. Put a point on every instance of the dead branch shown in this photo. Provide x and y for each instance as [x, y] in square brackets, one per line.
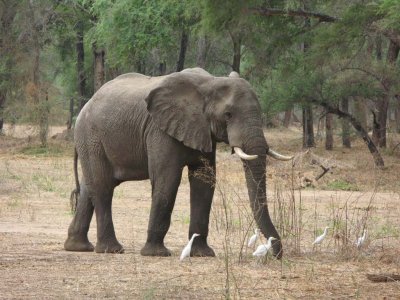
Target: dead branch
[394, 148]
[383, 277]
[361, 131]
[325, 170]
[267, 12]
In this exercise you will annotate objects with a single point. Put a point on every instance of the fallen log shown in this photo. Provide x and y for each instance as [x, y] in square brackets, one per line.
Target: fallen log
[383, 277]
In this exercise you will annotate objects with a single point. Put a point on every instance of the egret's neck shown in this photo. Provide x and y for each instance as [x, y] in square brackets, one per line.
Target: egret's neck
[191, 240]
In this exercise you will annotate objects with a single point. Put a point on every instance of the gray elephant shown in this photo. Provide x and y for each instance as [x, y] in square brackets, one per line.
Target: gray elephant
[138, 127]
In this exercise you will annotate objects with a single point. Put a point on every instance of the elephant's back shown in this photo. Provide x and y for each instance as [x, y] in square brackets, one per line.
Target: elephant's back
[120, 100]
[127, 87]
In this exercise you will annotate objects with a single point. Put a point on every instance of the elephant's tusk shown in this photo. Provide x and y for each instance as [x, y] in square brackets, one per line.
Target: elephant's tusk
[243, 155]
[278, 156]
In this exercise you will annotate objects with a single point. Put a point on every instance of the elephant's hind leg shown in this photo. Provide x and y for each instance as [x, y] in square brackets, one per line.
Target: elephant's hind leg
[77, 232]
[106, 239]
[99, 188]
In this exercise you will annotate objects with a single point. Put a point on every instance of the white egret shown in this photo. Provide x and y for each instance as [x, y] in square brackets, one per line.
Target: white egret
[186, 251]
[262, 250]
[319, 239]
[254, 238]
[361, 240]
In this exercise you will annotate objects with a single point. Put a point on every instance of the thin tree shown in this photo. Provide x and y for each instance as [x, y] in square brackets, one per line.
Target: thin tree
[7, 15]
[180, 65]
[329, 131]
[346, 142]
[37, 19]
[80, 61]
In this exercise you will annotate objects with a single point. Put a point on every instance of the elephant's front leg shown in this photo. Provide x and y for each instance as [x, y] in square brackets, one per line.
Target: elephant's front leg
[165, 182]
[202, 183]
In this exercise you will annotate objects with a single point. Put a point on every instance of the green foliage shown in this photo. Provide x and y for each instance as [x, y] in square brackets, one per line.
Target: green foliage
[134, 31]
[288, 61]
[391, 10]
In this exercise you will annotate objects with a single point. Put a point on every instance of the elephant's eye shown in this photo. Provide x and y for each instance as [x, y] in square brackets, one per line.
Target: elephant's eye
[228, 115]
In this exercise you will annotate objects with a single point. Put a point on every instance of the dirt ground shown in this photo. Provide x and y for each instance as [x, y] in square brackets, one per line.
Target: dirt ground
[35, 214]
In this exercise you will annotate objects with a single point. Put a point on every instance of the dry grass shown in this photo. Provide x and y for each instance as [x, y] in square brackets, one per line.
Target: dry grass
[34, 217]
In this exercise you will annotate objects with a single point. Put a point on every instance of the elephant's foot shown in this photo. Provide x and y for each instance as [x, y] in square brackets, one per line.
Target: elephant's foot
[202, 249]
[150, 249]
[109, 247]
[78, 244]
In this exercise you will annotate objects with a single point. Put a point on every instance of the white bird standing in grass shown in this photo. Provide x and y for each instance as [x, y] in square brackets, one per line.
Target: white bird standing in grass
[254, 238]
[361, 240]
[319, 239]
[262, 250]
[186, 251]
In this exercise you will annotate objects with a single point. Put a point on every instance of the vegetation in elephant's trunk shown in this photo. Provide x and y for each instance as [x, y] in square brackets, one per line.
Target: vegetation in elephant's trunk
[255, 172]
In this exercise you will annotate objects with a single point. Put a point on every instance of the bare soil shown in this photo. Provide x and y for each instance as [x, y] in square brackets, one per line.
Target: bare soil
[35, 214]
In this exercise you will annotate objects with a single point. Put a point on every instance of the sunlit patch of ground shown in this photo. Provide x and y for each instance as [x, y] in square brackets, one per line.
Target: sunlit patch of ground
[34, 217]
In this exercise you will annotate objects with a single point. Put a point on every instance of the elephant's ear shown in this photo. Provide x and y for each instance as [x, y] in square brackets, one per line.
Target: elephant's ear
[177, 107]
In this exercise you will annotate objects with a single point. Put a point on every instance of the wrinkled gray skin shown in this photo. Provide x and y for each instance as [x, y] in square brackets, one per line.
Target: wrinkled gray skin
[137, 127]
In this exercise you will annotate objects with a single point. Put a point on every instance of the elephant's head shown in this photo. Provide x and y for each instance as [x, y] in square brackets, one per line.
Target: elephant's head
[197, 109]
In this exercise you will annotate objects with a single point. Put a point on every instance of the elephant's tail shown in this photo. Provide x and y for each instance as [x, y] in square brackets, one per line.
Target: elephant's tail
[73, 200]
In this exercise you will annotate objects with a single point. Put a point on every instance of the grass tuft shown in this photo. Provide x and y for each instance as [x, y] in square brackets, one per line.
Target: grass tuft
[341, 185]
[52, 150]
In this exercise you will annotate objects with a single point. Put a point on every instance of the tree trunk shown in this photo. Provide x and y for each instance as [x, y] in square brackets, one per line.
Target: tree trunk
[397, 113]
[2, 101]
[99, 71]
[360, 112]
[308, 127]
[41, 107]
[380, 122]
[140, 66]
[35, 75]
[308, 120]
[71, 113]
[44, 111]
[329, 132]
[180, 65]
[162, 68]
[80, 59]
[361, 131]
[383, 105]
[113, 72]
[321, 127]
[7, 16]
[346, 142]
[203, 45]
[378, 43]
[393, 52]
[288, 117]
[237, 44]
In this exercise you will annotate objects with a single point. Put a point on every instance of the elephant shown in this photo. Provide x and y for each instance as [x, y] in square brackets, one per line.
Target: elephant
[137, 127]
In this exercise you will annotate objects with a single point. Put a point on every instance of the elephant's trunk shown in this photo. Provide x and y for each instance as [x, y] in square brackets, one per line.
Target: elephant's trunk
[255, 171]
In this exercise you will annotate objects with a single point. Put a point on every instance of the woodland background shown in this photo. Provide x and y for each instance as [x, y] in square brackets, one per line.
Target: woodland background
[309, 61]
